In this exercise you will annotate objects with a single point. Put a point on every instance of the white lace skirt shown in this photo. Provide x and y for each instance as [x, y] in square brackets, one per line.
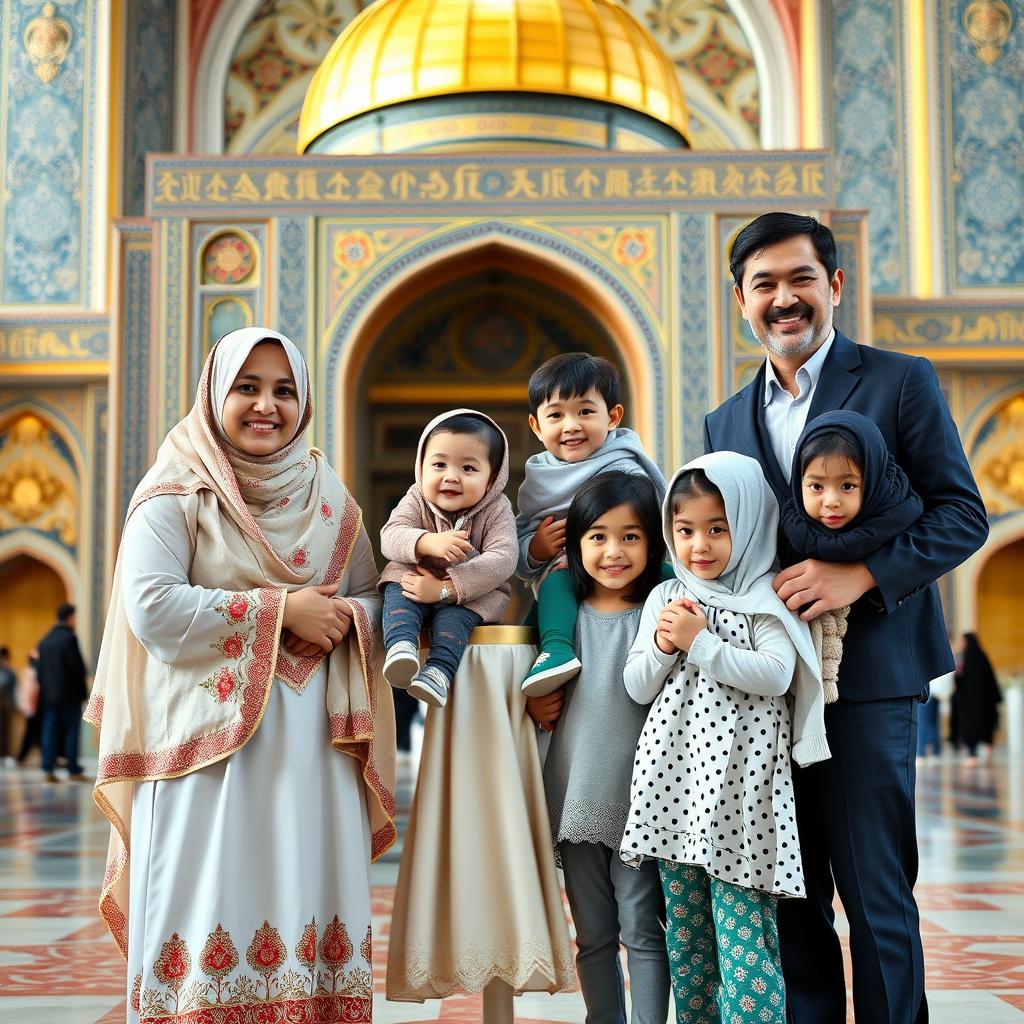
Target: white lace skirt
[250, 891]
[478, 895]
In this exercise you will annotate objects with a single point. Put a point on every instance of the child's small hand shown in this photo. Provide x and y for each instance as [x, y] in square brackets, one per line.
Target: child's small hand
[421, 586]
[678, 625]
[453, 545]
[545, 711]
[549, 540]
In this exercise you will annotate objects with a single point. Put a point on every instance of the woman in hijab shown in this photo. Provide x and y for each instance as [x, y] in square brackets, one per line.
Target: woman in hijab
[976, 701]
[236, 671]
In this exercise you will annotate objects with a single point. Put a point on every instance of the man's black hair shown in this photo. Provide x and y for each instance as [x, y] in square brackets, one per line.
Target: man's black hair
[572, 375]
[476, 426]
[65, 611]
[770, 228]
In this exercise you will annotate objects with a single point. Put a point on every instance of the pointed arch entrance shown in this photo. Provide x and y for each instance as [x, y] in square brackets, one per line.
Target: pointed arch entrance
[30, 593]
[998, 604]
[467, 329]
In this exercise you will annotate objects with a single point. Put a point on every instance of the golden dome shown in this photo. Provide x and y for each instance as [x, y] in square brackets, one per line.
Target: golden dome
[400, 50]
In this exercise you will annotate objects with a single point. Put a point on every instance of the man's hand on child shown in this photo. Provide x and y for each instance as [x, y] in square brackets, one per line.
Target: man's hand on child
[822, 586]
[453, 545]
[549, 540]
[545, 711]
[678, 625]
[421, 586]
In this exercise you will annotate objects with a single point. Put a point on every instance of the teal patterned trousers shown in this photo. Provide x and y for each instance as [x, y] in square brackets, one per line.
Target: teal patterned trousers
[723, 950]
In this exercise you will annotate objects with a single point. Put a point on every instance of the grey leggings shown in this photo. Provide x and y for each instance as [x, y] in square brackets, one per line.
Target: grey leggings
[612, 903]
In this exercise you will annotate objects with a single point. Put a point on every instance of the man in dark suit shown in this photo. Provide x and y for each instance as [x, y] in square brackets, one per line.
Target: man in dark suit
[62, 690]
[855, 811]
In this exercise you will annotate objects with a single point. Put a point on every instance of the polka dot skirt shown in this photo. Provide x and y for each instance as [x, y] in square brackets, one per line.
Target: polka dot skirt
[711, 781]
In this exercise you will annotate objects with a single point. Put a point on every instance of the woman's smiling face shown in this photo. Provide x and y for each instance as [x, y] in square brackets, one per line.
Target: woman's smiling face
[261, 410]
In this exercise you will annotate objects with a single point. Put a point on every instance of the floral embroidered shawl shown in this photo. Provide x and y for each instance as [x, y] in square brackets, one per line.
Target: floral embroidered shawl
[264, 526]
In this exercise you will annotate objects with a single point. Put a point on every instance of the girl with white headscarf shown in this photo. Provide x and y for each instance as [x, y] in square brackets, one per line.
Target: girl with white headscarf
[237, 667]
[737, 692]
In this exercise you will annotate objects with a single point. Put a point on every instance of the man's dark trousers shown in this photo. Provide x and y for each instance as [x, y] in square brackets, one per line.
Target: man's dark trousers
[855, 812]
[61, 724]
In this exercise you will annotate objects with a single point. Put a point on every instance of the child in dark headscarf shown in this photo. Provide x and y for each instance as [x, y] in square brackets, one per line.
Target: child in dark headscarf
[849, 498]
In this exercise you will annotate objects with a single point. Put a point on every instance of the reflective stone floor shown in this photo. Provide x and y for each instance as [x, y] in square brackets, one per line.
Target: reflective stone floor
[58, 964]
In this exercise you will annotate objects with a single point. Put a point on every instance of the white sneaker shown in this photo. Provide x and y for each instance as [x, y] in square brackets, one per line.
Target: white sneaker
[431, 687]
[401, 663]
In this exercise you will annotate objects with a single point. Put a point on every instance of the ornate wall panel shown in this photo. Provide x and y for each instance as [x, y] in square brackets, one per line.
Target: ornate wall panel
[692, 359]
[716, 68]
[276, 57]
[228, 285]
[981, 50]
[295, 283]
[49, 127]
[866, 117]
[148, 93]
[134, 376]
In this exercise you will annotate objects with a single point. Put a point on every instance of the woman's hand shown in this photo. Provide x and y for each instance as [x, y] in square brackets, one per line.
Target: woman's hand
[678, 625]
[422, 587]
[298, 648]
[314, 615]
[453, 546]
[545, 711]
[549, 540]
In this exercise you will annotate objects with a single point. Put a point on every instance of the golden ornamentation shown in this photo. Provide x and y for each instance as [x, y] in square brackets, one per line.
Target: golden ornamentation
[35, 487]
[988, 24]
[1000, 460]
[47, 42]
[401, 50]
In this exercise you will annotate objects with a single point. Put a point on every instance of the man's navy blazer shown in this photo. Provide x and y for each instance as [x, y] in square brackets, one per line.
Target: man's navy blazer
[896, 637]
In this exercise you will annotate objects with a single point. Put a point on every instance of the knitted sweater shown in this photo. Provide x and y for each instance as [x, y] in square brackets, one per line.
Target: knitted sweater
[481, 581]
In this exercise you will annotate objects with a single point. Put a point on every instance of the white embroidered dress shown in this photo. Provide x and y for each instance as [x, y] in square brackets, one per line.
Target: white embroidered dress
[221, 903]
[246, 788]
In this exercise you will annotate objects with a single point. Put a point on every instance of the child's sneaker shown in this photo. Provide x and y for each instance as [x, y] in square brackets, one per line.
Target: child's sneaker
[431, 686]
[549, 672]
[401, 664]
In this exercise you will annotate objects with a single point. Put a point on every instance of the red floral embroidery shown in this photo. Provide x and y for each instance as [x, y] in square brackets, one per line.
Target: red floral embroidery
[222, 684]
[279, 993]
[335, 946]
[219, 956]
[233, 646]
[366, 946]
[266, 952]
[174, 963]
[136, 997]
[283, 503]
[300, 558]
[305, 951]
[326, 511]
[237, 607]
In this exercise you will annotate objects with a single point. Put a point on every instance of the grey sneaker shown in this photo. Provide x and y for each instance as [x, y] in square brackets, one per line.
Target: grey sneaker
[431, 686]
[401, 663]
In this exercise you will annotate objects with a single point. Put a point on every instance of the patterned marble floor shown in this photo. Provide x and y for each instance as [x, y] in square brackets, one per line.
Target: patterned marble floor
[57, 962]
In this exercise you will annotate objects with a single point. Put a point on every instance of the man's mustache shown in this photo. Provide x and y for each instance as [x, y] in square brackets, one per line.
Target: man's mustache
[799, 309]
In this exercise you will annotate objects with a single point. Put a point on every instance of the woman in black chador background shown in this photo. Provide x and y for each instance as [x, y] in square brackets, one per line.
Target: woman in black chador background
[975, 701]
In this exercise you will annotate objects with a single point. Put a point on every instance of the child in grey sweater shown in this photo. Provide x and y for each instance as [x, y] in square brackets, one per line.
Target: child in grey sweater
[575, 412]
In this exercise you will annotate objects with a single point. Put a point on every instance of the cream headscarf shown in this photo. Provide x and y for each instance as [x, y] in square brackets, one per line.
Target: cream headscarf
[263, 526]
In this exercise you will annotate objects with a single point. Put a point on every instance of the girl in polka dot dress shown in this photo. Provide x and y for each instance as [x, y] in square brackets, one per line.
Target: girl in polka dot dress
[737, 691]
